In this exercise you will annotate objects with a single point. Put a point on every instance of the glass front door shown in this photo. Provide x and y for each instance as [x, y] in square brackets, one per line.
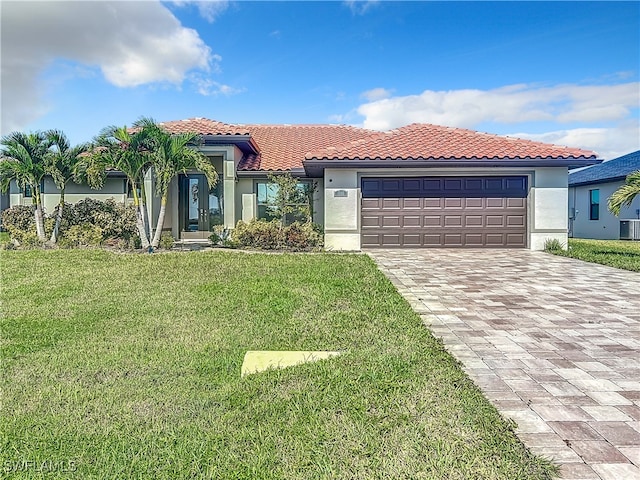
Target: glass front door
[200, 206]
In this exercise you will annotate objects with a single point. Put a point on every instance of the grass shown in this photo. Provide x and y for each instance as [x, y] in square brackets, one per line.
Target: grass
[614, 253]
[128, 366]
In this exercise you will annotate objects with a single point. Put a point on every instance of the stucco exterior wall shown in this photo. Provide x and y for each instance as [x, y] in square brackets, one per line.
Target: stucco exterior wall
[548, 217]
[607, 227]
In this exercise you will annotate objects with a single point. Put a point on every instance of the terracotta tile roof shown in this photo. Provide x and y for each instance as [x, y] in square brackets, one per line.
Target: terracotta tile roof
[283, 147]
[204, 126]
[426, 141]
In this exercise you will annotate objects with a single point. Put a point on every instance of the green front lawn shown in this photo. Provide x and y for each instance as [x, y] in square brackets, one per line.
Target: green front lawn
[128, 366]
[615, 253]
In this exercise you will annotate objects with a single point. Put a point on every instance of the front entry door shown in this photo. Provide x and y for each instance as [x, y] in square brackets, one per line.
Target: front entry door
[200, 206]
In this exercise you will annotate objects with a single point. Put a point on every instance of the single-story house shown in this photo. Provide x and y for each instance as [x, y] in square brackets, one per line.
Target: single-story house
[417, 186]
[589, 189]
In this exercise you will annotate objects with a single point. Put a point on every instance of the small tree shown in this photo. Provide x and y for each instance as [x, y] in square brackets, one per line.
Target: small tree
[129, 151]
[291, 198]
[62, 161]
[624, 195]
[23, 159]
[171, 155]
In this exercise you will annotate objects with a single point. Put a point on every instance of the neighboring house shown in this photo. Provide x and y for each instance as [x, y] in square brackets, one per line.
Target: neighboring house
[589, 189]
[416, 186]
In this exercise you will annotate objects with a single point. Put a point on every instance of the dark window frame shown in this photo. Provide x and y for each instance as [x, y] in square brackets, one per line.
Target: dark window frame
[594, 204]
[262, 206]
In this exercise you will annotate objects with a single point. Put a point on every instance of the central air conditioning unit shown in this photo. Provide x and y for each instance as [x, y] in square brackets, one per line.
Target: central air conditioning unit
[630, 229]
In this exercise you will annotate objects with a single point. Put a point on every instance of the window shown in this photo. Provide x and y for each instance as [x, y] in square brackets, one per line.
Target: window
[27, 192]
[267, 193]
[594, 204]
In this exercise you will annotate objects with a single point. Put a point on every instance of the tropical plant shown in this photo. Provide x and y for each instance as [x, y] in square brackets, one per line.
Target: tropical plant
[171, 155]
[24, 161]
[129, 151]
[62, 163]
[292, 199]
[624, 195]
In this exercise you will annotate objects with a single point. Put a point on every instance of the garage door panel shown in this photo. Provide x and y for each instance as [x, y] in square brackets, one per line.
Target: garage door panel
[453, 220]
[433, 221]
[371, 221]
[391, 203]
[515, 220]
[472, 212]
[412, 203]
[516, 202]
[470, 203]
[391, 221]
[412, 221]
[433, 203]
[474, 221]
[411, 240]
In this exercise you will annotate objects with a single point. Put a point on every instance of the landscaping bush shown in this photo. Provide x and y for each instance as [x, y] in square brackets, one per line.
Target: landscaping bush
[166, 241]
[20, 223]
[114, 219]
[303, 236]
[273, 236]
[116, 223]
[85, 235]
[18, 218]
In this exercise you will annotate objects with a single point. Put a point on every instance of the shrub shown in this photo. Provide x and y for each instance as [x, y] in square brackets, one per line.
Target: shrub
[259, 234]
[166, 241]
[553, 245]
[116, 220]
[303, 236]
[85, 235]
[271, 235]
[20, 223]
[18, 217]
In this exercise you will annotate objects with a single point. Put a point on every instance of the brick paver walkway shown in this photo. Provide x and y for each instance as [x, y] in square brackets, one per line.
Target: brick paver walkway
[553, 342]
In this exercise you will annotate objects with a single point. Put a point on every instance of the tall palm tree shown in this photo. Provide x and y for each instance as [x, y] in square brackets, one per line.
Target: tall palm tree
[173, 154]
[129, 151]
[62, 162]
[624, 195]
[24, 160]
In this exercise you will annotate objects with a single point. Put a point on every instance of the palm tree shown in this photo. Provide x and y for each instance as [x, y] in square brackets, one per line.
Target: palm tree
[129, 151]
[625, 194]
[62, 165]
[173, 154]
[24, 160]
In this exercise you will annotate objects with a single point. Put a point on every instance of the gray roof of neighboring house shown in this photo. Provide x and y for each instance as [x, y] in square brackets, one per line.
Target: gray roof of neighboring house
[616, 169]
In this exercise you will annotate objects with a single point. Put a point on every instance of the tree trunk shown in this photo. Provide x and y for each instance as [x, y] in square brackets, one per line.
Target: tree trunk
[39, 215]
[163, 209]
[56, 228]
[142, 231]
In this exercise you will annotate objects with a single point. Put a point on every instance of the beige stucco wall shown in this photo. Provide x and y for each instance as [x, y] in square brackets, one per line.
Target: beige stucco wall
[548, 206]
[546, 203]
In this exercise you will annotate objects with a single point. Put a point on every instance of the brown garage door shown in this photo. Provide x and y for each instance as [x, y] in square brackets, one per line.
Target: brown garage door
[444, 212]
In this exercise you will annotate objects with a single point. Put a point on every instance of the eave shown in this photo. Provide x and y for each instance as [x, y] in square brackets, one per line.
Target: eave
[315, 167]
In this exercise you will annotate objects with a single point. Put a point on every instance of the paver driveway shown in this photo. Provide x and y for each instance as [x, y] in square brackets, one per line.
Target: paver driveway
[553, 342]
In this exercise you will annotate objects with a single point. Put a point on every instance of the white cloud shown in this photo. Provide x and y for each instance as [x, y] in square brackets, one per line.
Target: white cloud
[608, 142]
[208, 9]
[511, 104]
[360, 7]
[608, 111]
[131, 43]
[376, 94]
[208, 87]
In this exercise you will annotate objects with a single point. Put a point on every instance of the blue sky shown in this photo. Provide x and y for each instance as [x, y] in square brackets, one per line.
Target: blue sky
[560, 72]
